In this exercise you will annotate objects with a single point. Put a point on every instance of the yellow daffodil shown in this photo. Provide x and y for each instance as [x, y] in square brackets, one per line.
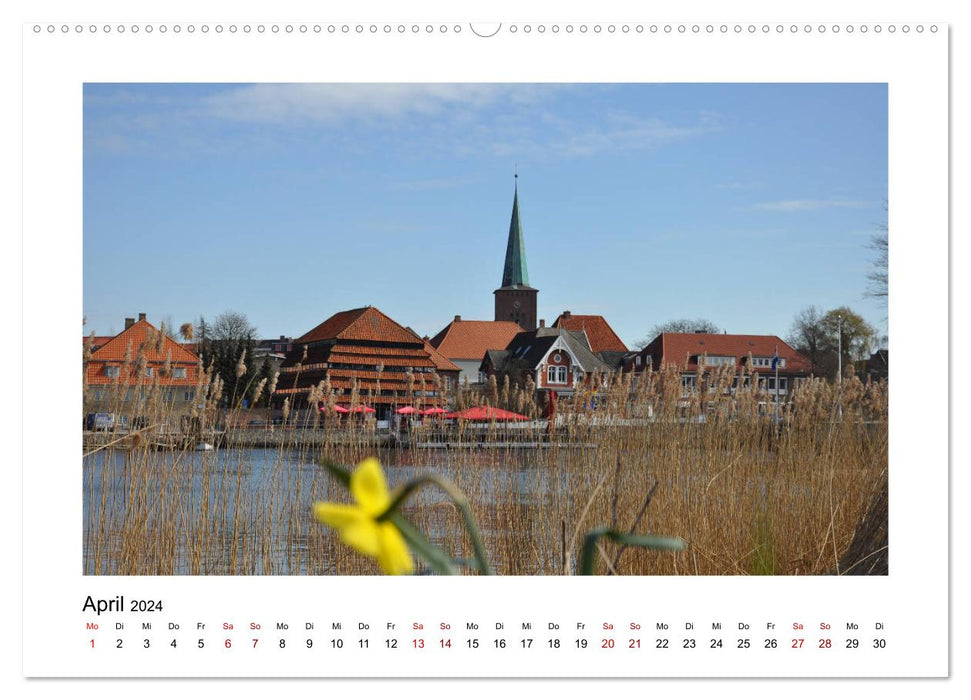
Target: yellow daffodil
[358, 525]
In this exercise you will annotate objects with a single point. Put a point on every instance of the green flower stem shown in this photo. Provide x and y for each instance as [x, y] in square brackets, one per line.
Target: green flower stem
[457, 497]
[588, 554]
[433, 556]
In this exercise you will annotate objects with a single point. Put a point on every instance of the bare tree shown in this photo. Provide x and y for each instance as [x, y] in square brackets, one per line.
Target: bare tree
[878, 279]
[680, 325]
[808, 335]
[231, 326]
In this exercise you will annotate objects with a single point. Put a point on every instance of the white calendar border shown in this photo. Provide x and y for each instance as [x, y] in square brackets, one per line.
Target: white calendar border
[904, 494]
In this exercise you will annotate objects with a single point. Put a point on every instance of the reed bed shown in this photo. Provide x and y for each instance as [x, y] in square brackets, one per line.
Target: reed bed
[753, 488]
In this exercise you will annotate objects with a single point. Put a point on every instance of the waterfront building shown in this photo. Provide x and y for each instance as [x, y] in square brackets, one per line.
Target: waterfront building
[600, 336]
[877, 368]
[122, 370]
[449, 371]
[272, 351]
[557, 360]
[363, 357]
[465, 342]
[697, 355]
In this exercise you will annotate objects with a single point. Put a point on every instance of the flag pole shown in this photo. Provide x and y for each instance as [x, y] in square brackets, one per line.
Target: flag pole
[776, 363]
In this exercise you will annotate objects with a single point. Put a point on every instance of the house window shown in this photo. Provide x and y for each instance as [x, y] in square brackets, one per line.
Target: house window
[448, 383]
[767, 362]
[561, 375]
[638, 361]
[112, 372]
[178, 373]
[188, 395]
[149, 372]
[718, 360]
[551, 374]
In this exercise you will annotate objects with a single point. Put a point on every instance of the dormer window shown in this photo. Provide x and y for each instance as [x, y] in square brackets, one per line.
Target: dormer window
[113, 372]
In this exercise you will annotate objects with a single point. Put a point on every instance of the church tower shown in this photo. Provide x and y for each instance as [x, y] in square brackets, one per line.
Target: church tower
[515, 299]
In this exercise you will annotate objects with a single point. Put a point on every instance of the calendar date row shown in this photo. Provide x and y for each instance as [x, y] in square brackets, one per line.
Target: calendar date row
[499, 643]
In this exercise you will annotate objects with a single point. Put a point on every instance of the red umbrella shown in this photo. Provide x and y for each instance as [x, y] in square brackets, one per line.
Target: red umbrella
[404, 410]
[487, 413]
[361, 408]
[434, 411]
[337, 408]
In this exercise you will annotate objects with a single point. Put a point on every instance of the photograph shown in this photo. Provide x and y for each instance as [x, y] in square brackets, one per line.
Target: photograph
[514, 329]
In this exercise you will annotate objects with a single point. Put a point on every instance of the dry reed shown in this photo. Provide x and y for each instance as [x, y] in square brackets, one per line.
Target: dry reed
[753, 488]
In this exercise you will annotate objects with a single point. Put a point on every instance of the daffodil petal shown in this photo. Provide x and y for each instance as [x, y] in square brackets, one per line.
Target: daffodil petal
[337, 515]
[364, 536]
[393, 555]
[356, 528]
[369, 487]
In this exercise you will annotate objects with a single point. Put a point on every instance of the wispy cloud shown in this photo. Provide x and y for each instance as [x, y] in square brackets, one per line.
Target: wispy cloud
[334, 104]
[541, 135]
[791, 205]
[469, 119]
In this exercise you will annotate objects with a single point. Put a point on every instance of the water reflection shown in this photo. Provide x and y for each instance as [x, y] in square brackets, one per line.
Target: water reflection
[248, 511]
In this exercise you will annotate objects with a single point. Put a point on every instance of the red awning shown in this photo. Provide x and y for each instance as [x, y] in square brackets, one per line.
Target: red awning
[434, 411]
[337, 409]
[360, 408]
[487, 413]
[404, 410]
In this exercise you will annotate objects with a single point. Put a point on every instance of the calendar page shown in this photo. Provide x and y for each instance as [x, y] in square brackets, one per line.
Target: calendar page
[514, 345]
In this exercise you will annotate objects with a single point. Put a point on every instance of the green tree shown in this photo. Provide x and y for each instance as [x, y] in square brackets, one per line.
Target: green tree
[849, 333]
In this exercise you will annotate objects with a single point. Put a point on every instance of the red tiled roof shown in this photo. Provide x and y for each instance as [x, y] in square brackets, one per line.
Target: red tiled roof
[143, 335]
[677, 348]
[469, 340]
[442, 363]
[359, 339]
[418, 355]
[360, 324]
[370, 350]
[96, 340]
[389, 362]
[599, 333]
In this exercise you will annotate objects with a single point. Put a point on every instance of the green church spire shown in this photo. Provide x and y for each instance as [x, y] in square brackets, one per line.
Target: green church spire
[514, 272]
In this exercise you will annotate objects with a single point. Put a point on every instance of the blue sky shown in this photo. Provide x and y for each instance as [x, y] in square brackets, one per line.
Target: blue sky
[741, 204]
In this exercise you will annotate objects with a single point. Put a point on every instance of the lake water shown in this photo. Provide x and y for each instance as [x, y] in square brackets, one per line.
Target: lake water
[256, 503]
